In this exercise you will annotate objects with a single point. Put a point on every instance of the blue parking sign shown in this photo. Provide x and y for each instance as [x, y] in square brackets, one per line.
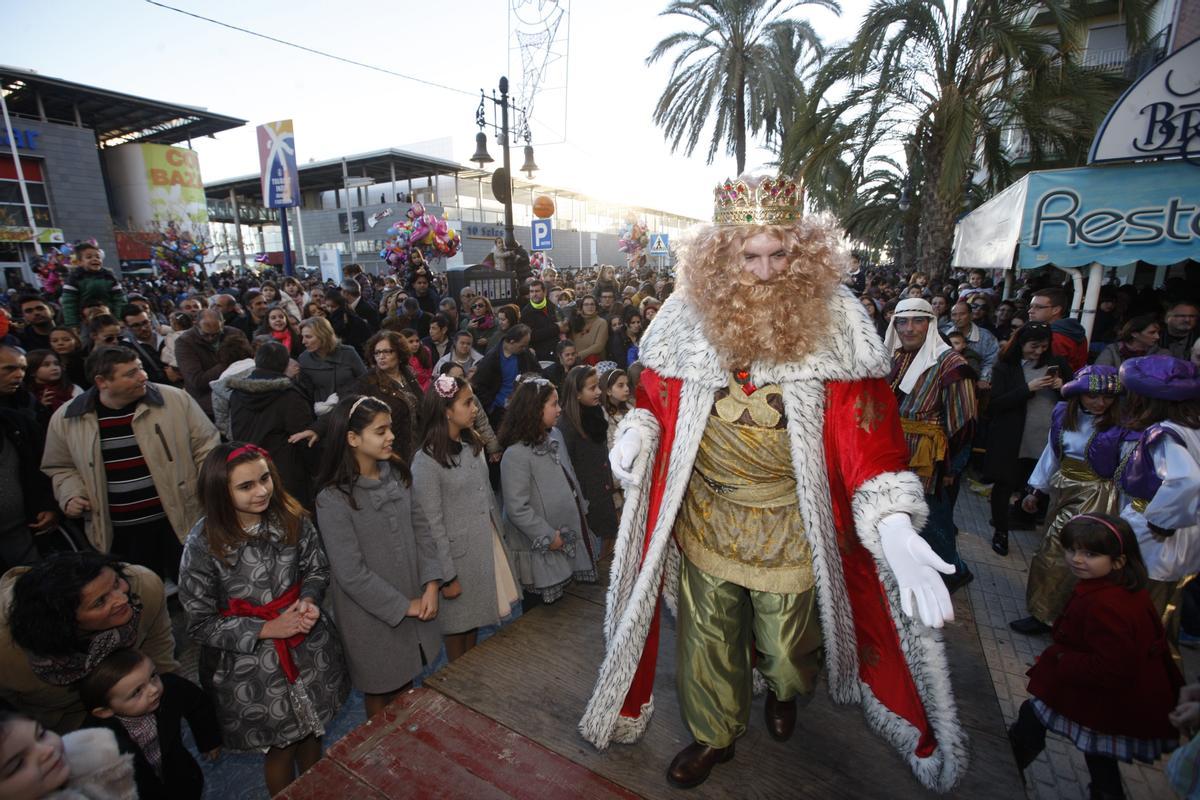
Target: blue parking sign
[542, 235]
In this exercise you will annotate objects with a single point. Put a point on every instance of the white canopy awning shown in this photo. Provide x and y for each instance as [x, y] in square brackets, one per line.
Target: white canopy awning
[987, 238]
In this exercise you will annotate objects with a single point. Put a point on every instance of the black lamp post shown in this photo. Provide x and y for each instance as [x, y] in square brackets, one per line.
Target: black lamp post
[502, 178]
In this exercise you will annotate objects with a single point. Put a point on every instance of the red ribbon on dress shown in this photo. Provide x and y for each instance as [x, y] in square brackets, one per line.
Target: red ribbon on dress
[239, 607]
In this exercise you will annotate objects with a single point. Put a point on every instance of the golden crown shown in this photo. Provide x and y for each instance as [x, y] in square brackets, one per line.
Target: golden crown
[757, 201]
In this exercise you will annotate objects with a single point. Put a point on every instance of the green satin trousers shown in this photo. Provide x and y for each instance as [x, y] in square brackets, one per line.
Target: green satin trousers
[719, 623]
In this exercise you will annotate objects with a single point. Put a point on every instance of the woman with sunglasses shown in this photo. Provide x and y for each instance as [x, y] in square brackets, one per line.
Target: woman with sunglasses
[482, 323]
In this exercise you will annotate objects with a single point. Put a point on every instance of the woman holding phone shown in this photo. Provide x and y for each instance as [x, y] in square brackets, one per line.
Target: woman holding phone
[1025, 385]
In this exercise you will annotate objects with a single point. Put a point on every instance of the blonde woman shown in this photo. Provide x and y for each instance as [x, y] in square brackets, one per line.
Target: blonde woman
[327, 367]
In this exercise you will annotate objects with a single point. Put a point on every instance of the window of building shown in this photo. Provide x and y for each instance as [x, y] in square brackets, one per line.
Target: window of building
[12, 207]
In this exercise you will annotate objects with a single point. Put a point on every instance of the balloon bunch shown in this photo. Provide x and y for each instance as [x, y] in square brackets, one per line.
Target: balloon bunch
[419, 231]
[52, 268]
[634, 239]
[176, 254]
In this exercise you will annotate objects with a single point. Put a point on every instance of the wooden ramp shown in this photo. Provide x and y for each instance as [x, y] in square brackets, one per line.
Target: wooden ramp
[524, 689]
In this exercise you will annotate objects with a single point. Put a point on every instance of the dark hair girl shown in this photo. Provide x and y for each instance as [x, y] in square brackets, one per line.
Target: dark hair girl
[1107, 682]
[339, 467]
[585, 432]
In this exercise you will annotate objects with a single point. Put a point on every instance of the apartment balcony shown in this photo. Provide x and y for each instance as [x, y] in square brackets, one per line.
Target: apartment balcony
[1017, 146]
[1111, 59]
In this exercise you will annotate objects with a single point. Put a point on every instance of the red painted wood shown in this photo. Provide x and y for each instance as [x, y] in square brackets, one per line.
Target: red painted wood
[427, 745]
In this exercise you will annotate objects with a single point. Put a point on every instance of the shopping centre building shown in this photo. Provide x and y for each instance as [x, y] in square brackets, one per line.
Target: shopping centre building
[348, 204]
[89, 157]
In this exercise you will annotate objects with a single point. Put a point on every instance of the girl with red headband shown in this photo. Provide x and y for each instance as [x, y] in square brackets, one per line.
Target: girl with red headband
[252, 579]
[1108, 682]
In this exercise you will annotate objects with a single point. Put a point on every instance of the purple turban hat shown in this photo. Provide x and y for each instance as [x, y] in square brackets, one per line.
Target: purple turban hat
[1094, 379]
[1161, 377]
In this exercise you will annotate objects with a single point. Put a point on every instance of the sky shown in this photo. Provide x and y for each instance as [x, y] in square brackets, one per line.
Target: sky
[604, 102]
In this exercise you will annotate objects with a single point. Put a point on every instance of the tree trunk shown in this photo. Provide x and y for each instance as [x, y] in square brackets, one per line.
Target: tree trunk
[739, 134]
[935, 241]
[910, 230]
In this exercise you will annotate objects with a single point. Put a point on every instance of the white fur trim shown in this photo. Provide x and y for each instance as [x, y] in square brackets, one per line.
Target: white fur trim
[627, 555]
[98, 769]
[677, 349]
[89, 749]
[674, 346]
[628, 623]
[902, 492]
[629, 730]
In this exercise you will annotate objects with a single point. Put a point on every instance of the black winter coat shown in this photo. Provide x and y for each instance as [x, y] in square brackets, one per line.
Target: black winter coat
[543, 326]
[181, 776]
[486, 380]
[1006, 415]
[265, 408]
[589, 457]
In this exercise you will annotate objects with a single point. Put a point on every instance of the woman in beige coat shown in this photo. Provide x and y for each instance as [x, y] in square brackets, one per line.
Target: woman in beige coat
[589, 331]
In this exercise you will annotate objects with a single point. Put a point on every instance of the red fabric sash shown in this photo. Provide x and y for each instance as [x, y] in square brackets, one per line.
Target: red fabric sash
[239, 607]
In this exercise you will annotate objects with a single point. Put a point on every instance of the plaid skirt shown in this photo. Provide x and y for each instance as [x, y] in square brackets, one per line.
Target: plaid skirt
[1095, 743]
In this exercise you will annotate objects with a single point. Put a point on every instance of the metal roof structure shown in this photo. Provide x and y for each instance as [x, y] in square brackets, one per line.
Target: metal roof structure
[117, 118]
[382, 166]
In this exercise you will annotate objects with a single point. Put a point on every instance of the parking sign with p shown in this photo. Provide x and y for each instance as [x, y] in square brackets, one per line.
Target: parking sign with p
[542, 235]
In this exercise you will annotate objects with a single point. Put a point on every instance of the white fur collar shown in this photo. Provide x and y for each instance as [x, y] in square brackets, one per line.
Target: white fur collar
[674, 346]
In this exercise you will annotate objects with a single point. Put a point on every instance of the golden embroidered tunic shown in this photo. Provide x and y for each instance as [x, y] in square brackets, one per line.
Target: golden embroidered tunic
[740, 520]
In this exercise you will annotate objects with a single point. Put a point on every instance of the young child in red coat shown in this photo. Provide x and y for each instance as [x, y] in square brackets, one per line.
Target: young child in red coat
[1108, 682]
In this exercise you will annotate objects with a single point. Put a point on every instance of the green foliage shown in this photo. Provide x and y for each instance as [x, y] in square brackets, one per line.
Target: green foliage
[943, 80]
[738, 72]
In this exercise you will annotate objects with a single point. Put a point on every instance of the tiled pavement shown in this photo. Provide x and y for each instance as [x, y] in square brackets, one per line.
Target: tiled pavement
[998, 597]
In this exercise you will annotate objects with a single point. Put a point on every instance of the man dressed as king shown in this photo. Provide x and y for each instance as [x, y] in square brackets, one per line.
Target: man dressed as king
[769, 504]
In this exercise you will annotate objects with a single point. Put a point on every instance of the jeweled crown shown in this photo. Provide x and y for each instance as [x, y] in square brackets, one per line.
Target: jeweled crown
[762, 201]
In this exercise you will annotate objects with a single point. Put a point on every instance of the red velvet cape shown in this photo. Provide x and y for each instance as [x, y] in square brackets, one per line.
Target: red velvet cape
[862, 440]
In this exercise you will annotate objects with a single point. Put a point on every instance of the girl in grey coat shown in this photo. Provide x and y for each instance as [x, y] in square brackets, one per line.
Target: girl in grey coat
[451, 486]
[386, 570]
[252, 579]
[545, 518]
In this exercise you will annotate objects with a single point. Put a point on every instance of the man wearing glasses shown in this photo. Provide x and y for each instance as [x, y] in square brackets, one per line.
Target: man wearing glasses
[1179, 334]
[1068, 339]
[141, 336]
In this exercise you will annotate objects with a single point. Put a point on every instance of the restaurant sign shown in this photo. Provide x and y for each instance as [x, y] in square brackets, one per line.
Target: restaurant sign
[1158, 116]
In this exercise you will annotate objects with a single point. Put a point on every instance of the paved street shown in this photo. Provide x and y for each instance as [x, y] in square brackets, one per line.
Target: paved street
[998, 596]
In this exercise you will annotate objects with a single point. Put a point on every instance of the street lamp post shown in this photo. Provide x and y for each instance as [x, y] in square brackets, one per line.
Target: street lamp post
[502, 179]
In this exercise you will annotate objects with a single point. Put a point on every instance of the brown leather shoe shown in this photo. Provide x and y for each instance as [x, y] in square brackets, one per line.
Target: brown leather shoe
[693, 763]
[781, 717]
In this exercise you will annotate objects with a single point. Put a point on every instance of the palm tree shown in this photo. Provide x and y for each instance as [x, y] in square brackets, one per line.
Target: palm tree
[952, 75]
[738, 74]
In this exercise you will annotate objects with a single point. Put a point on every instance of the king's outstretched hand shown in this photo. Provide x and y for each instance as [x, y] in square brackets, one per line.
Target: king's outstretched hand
[624, 452]
[916, 568]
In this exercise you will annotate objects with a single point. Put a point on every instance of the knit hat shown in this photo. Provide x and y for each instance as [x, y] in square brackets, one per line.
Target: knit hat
[1094, 379]
[1161, 377]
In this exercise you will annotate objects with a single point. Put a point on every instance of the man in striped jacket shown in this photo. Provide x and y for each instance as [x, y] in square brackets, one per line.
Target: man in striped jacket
[125, 456]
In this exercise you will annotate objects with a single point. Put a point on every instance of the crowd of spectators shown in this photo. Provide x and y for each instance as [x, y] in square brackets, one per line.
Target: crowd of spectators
[122, 404]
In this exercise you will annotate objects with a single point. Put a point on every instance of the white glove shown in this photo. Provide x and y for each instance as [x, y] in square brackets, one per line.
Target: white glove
[916, 568]
[624, 452]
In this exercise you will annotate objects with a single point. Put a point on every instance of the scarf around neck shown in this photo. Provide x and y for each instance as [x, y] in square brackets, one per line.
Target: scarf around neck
[144, 732]
[539, 306]
[65, 670]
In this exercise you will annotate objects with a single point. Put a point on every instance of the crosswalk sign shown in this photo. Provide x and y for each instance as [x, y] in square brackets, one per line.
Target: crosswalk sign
[660, 244]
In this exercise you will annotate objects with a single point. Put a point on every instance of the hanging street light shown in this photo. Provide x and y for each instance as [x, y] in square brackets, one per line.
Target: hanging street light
[502, 177]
